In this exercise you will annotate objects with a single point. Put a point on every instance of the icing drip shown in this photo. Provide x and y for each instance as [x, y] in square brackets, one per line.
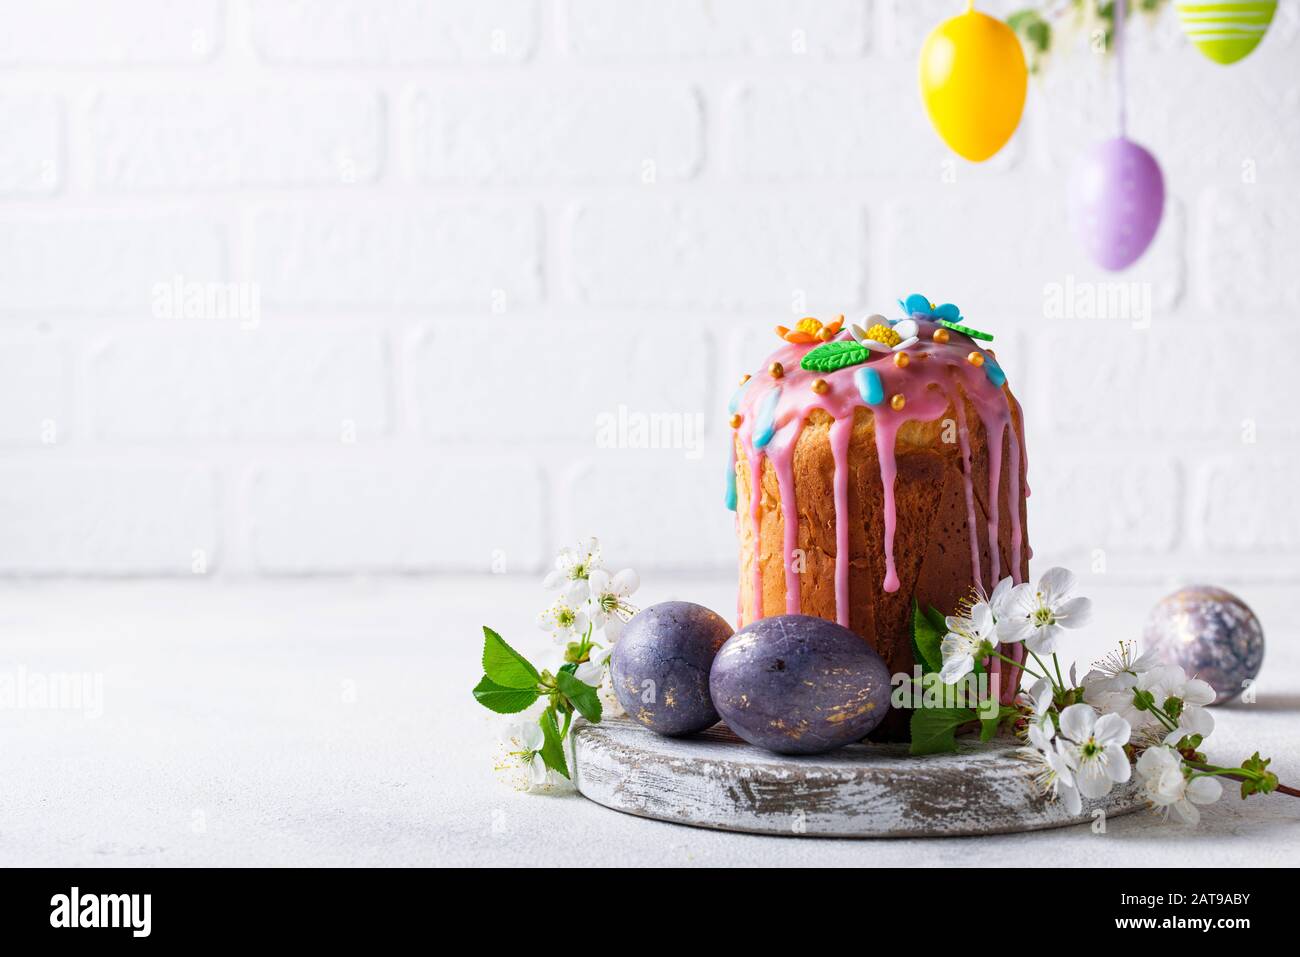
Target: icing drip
[730, 498]
[782, 459]
[995, 479]
[756, 514]
[734, 404]
[1013, 496]
[765, 427]
[841, 432]
[963, 439]
[886, 431]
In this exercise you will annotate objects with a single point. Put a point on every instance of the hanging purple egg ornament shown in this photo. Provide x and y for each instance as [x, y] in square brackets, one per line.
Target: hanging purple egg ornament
[1116, 198]
[1211, 634]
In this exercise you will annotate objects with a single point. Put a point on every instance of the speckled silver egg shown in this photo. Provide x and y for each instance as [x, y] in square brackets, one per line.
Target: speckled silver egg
[1210, 633]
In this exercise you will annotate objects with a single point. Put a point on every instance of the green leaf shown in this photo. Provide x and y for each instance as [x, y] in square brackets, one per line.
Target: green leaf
[552, 746]
[934, 730]
[837, 354]
[584, 696]
[989, 726]
[503, 700]
[926, 638]
[504, 665]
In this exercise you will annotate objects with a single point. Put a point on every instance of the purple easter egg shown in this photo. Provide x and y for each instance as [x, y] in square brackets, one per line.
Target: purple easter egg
[795, 684]
[1211, 634]
[660, 666]
[1116, 198]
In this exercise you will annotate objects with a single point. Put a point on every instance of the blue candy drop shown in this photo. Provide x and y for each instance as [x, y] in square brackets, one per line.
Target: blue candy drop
[869, 385]
[994, 372]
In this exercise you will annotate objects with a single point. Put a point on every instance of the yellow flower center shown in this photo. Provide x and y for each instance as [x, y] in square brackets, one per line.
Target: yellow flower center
[882, 333]
[808, 325]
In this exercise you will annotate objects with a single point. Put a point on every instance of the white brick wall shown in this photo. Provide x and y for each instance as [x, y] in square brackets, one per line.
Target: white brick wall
[475, 233]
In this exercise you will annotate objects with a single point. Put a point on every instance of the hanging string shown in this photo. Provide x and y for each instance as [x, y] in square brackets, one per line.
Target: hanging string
[1121, 92]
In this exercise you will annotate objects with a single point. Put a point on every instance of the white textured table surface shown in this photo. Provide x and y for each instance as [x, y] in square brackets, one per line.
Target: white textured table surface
[331, 723]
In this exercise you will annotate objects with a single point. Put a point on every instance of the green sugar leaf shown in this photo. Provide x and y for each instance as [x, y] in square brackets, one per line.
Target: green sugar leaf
[504, 665]
[552, 745]
[501, 699]
[584, 696]
[837, 354]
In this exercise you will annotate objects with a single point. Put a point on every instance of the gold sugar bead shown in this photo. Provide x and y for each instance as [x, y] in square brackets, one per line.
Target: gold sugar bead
[744, 378]
[901, 360]
[940, 335]
[736, 419]
[820, 387]
[897, 402]
[776, 370]
[975, 359]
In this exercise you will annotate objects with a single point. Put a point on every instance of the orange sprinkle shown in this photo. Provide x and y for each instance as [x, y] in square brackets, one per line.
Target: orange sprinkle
[975, 359]
[940, 335]
[744, 378]
[736, 419]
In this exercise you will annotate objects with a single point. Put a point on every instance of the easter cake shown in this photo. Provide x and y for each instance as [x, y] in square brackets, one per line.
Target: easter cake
[875, 466]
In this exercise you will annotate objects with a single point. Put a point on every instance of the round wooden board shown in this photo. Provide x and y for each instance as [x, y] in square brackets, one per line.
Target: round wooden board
[716, 780]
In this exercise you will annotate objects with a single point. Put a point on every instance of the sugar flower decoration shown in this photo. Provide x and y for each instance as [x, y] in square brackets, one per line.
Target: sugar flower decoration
[882, 336]
[919, 305]
[810, 329]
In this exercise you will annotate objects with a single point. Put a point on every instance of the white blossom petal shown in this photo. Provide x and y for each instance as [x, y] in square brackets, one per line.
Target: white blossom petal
[1204, 790]
[625, 583]
[1074, 613]
[1077, 722]
[1070, 798]
[1111, 729]
[1197, 691]
[1117, 766]
[1055, 584]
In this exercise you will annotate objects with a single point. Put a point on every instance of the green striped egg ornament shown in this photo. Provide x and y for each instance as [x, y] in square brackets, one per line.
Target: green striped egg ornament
[1225, 30]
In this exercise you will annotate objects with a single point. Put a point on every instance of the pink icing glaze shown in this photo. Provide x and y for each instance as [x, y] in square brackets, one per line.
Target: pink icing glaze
[995, 487]
[928, 385]
[755, 459]
[782, 459]
[963, 438]
[841, 432]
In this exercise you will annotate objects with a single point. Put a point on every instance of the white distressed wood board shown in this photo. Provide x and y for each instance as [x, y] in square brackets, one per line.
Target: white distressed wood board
[715, 780]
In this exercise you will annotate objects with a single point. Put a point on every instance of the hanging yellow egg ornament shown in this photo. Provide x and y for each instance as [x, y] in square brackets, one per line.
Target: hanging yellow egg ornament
[973, 83]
